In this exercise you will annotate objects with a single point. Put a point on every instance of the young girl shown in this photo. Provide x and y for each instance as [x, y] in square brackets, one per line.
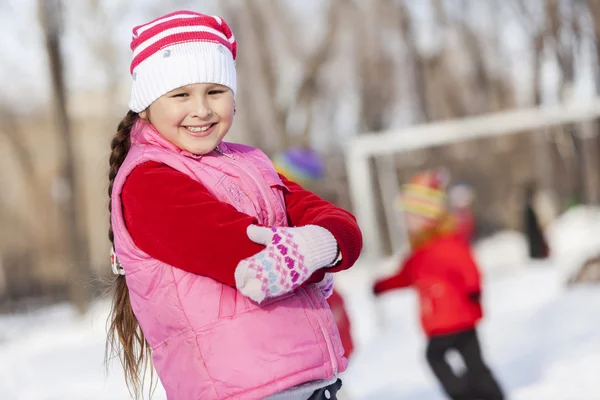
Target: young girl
[443, 271]
[222, 264]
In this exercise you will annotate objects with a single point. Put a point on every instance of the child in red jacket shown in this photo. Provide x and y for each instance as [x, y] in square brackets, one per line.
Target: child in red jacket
[442, 270]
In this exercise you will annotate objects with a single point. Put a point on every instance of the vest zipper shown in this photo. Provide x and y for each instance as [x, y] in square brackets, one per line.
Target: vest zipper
[221, 152]
[328, 342]
[218, 150]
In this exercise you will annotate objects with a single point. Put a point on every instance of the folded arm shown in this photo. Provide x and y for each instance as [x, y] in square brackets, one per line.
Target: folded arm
[176, 220]
[306, 208]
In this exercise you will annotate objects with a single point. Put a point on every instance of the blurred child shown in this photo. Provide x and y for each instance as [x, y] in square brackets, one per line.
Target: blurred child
[223, 266]
[442, 270]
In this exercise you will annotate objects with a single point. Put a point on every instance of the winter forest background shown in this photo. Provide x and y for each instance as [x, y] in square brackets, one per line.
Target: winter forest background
[312, 73]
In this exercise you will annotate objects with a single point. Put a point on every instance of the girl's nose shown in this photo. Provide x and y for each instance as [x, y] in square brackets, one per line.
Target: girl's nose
[201, 109]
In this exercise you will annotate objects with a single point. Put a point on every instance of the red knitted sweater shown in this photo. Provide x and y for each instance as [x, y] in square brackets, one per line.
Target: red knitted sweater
[175, 219]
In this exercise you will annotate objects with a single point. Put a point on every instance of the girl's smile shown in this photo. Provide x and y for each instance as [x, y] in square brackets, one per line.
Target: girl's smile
[200, 131]
[194, 117]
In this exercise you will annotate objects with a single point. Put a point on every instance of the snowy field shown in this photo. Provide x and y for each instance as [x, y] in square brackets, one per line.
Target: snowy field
[541, 337]
[541, 340]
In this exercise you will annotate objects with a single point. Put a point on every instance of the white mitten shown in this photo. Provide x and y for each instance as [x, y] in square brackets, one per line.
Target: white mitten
[289, 259]
[325, 286]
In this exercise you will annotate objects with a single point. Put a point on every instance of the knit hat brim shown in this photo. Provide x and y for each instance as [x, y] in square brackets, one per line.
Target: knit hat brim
[423, 201]
[179, 65]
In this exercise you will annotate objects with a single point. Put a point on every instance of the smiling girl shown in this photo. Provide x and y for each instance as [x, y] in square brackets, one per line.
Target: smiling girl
[222, 266]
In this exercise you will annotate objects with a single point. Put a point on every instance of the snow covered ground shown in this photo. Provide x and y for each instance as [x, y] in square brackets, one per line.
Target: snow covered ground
[541, 337]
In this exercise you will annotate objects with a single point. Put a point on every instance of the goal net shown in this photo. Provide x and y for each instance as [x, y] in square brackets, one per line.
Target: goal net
[374, 159]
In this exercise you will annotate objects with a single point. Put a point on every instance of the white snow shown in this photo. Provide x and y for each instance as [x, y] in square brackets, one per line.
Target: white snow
[574, 238]
[540, 337]
[502, 253]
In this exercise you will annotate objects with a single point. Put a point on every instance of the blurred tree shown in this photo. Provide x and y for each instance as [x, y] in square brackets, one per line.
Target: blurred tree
[29, 244]
[378, 91]
[272, 39]
[322, 71]
[21, 227]
[97, 26]
[71, 203]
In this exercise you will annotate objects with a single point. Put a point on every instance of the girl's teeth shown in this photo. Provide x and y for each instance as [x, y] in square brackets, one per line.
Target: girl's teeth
[198, 128]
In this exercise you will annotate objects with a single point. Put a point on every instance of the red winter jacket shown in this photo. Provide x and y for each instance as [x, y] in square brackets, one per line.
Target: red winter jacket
[448, 283]
[166, 212]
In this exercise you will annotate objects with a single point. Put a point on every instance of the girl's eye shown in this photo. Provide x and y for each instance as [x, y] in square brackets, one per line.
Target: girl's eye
[216, 91]
[180, 95]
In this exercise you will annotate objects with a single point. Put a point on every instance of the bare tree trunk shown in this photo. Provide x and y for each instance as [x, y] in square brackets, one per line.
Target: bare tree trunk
[540, 145]
[562, 31]
[416, 60]
[453, 96]
[96, 27]
[257, 28]
[378, 93]
[480, 83]
[263, 119]
[314, 65]
[592, 146]
[41, 233]
[70, 201]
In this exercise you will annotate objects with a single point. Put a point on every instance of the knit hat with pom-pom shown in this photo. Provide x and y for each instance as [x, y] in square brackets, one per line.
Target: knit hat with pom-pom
[425, 195]
[178, 49]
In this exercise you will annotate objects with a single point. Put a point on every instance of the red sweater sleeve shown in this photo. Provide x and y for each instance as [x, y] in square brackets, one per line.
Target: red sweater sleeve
[175, 219]
[306, 208]
[400, 280]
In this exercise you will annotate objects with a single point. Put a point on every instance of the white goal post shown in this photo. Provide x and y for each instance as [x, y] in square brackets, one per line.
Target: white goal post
[361, 148]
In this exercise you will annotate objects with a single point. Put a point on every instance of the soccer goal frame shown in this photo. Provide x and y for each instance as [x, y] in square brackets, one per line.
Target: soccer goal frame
[363, 147]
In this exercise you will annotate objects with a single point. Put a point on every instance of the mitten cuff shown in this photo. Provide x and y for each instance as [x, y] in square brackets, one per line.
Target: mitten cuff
[322, 244]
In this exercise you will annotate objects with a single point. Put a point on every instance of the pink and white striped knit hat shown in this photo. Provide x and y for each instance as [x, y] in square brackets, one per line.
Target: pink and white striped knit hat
[178, 49]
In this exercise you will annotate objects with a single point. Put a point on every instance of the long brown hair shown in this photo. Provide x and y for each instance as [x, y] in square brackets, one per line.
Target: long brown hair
[125, 339]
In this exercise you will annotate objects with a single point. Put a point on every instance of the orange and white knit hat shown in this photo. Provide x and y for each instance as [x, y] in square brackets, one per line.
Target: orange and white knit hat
[178, 49]
[425, 195]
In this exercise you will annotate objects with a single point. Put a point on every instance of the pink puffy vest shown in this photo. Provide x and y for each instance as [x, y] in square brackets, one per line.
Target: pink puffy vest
[209, 341]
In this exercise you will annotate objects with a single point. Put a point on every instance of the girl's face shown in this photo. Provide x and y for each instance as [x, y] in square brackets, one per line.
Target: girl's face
[195, 117]
[415, 224]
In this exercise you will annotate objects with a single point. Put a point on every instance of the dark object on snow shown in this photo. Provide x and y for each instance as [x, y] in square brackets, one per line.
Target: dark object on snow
[538, 247]
[328, 392]
[478, 382]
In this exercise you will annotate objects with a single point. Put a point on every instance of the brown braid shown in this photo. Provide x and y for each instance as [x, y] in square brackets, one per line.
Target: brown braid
[125, 339]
